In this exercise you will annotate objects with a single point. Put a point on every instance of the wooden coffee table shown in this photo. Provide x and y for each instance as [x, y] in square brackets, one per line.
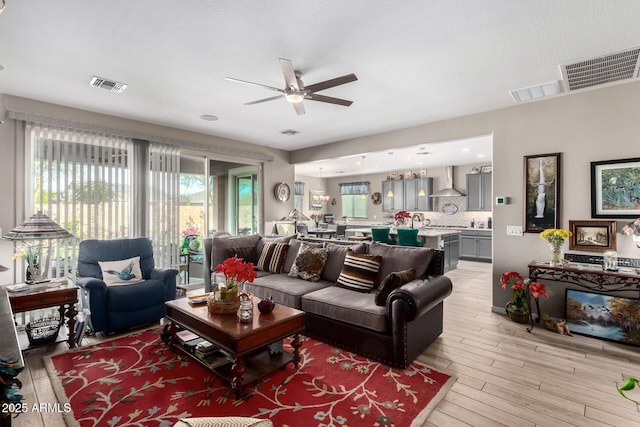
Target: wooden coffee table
[246, 343]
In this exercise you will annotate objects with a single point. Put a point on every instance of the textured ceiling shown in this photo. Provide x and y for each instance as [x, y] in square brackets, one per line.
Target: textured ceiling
[417, 61]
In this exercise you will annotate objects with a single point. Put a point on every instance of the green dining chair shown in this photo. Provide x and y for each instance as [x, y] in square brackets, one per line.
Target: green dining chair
[381, 235]
[409, 237]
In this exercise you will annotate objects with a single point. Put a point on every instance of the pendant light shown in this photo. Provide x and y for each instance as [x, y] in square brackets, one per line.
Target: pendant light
[422, 193]
[390, 192]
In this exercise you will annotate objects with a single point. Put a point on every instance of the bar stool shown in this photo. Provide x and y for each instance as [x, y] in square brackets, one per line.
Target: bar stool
[381, 234]
[409, 237]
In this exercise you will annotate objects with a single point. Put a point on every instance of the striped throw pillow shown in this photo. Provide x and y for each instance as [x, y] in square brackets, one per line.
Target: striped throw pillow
[272, 257]
[359, 272]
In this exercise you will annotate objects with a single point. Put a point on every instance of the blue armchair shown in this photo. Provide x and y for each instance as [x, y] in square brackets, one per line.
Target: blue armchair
[116, 308]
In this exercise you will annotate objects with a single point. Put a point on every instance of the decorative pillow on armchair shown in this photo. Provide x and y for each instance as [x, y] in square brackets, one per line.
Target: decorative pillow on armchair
[122, 272]
[393, 281]
[359, 272]
[309, 263]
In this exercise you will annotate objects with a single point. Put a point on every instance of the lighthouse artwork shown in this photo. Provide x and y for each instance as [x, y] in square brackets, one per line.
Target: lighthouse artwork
[542, 190]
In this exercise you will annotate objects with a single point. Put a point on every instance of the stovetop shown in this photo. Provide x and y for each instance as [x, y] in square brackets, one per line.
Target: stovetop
[447, 226]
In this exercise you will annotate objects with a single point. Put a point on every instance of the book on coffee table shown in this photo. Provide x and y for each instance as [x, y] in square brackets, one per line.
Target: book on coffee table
[215, 359]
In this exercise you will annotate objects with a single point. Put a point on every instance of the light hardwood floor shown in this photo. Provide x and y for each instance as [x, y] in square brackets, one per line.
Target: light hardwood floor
[506, 376]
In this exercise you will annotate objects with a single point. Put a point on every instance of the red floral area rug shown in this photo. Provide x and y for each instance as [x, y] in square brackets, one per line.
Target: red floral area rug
[137, 380]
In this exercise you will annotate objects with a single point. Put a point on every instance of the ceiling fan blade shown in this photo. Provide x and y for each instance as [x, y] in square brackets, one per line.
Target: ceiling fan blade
[328, 99]
[299, 107]
[289, 74]
[316, 87]
[259, 101]
[231, 79]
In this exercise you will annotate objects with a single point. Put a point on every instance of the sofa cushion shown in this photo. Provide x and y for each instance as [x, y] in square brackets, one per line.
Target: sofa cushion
[221, 244]
[309, 262]
[272, 257]
[284, 289]
[335, 259]
[121, 272]
[359, 272]
[292, 253]
[247, 253]
[398, 258]
[347, 306]
[391, 282]
[135, 297]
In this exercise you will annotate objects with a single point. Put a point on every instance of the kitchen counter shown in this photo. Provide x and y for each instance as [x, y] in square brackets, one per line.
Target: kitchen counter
[428, 232]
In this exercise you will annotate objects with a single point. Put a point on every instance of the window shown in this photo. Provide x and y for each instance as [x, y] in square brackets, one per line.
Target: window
[353, 204]
[298, 195]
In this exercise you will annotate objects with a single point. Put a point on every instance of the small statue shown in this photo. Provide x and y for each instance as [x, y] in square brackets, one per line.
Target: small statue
[555, 325]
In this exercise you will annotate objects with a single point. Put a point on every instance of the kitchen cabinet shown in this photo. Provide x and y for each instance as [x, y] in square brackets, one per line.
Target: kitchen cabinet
[396, 202]
[479, 192]
[406, 195]
[451, 245]
[475, 245]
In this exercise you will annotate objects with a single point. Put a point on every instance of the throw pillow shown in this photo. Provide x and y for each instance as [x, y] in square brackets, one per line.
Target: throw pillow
[393, 281]
[309, 263]
[247, 253]
[272, 257]
[121, 272]
[398, 258]
[359, 272]
[335, 260]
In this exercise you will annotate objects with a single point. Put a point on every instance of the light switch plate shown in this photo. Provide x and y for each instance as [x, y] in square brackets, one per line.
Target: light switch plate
[514, 230]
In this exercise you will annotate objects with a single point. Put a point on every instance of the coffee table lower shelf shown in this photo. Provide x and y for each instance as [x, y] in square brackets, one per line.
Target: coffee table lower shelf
[257, 365]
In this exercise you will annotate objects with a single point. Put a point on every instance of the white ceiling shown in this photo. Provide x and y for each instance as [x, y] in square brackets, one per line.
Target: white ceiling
[417, 61]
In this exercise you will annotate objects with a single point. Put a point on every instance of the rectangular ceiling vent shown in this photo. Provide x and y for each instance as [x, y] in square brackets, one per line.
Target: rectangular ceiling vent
[601, 70]
[109, 85]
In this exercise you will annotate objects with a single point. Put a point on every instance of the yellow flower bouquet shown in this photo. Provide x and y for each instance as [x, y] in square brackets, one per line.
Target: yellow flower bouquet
[555, 237]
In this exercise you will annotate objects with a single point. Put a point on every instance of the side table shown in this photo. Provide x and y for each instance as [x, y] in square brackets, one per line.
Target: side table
[40, 296]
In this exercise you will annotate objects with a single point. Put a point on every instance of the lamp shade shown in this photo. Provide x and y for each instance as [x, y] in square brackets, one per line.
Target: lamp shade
[296, 215]
[38, 227]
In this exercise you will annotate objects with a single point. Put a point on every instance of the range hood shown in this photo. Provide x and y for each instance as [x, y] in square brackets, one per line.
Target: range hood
[448, 190]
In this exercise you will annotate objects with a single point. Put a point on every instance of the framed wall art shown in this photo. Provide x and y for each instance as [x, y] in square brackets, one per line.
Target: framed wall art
[541, 192]
[594, 236]
[615, 188]
[603, 316]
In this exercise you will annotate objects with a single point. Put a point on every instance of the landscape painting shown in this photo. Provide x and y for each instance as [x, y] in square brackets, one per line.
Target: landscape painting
[603, 316]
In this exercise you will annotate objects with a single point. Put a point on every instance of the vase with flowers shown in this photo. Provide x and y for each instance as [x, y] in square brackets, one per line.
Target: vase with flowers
[316, 217]
[236, 272]
[31, 254]
[400, 217]
[518, 308]
[556, 238]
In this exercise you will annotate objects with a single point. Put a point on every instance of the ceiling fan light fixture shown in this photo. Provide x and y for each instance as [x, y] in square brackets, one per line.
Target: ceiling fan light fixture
[294, 97]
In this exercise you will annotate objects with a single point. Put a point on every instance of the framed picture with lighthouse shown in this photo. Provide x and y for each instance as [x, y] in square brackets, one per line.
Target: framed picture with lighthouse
[541, 192]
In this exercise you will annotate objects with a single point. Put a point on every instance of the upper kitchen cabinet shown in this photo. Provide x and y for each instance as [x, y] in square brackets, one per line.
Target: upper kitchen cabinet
[408, 194]
[479, 192]
[392, 195]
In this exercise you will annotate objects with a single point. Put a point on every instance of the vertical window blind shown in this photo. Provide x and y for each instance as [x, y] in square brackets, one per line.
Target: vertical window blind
[81, 180]
[164, 203]
[102, 186]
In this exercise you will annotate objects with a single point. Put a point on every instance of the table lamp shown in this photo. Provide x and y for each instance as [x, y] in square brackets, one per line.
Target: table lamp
[295, 216]
[32, 234]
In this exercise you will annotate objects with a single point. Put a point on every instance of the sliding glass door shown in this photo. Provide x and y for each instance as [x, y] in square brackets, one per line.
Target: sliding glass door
[246, 193]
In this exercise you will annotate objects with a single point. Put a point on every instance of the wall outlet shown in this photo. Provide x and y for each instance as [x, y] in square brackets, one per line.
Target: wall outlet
[514, 230]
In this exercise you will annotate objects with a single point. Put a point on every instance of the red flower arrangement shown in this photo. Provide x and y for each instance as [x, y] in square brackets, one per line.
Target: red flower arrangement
[521, 292]
[400, 216]
[236, 271]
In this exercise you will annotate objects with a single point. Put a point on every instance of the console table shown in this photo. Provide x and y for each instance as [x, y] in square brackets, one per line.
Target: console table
[589, 276]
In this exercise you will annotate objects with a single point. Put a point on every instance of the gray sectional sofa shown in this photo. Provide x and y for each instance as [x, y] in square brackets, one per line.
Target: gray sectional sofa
[394, 332]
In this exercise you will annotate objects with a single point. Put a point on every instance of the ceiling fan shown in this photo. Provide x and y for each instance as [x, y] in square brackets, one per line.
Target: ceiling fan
[295, 91]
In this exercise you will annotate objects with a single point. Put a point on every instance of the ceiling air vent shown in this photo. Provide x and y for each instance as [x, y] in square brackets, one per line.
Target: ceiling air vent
[290, 132]
[109, 85]
[601, 70]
